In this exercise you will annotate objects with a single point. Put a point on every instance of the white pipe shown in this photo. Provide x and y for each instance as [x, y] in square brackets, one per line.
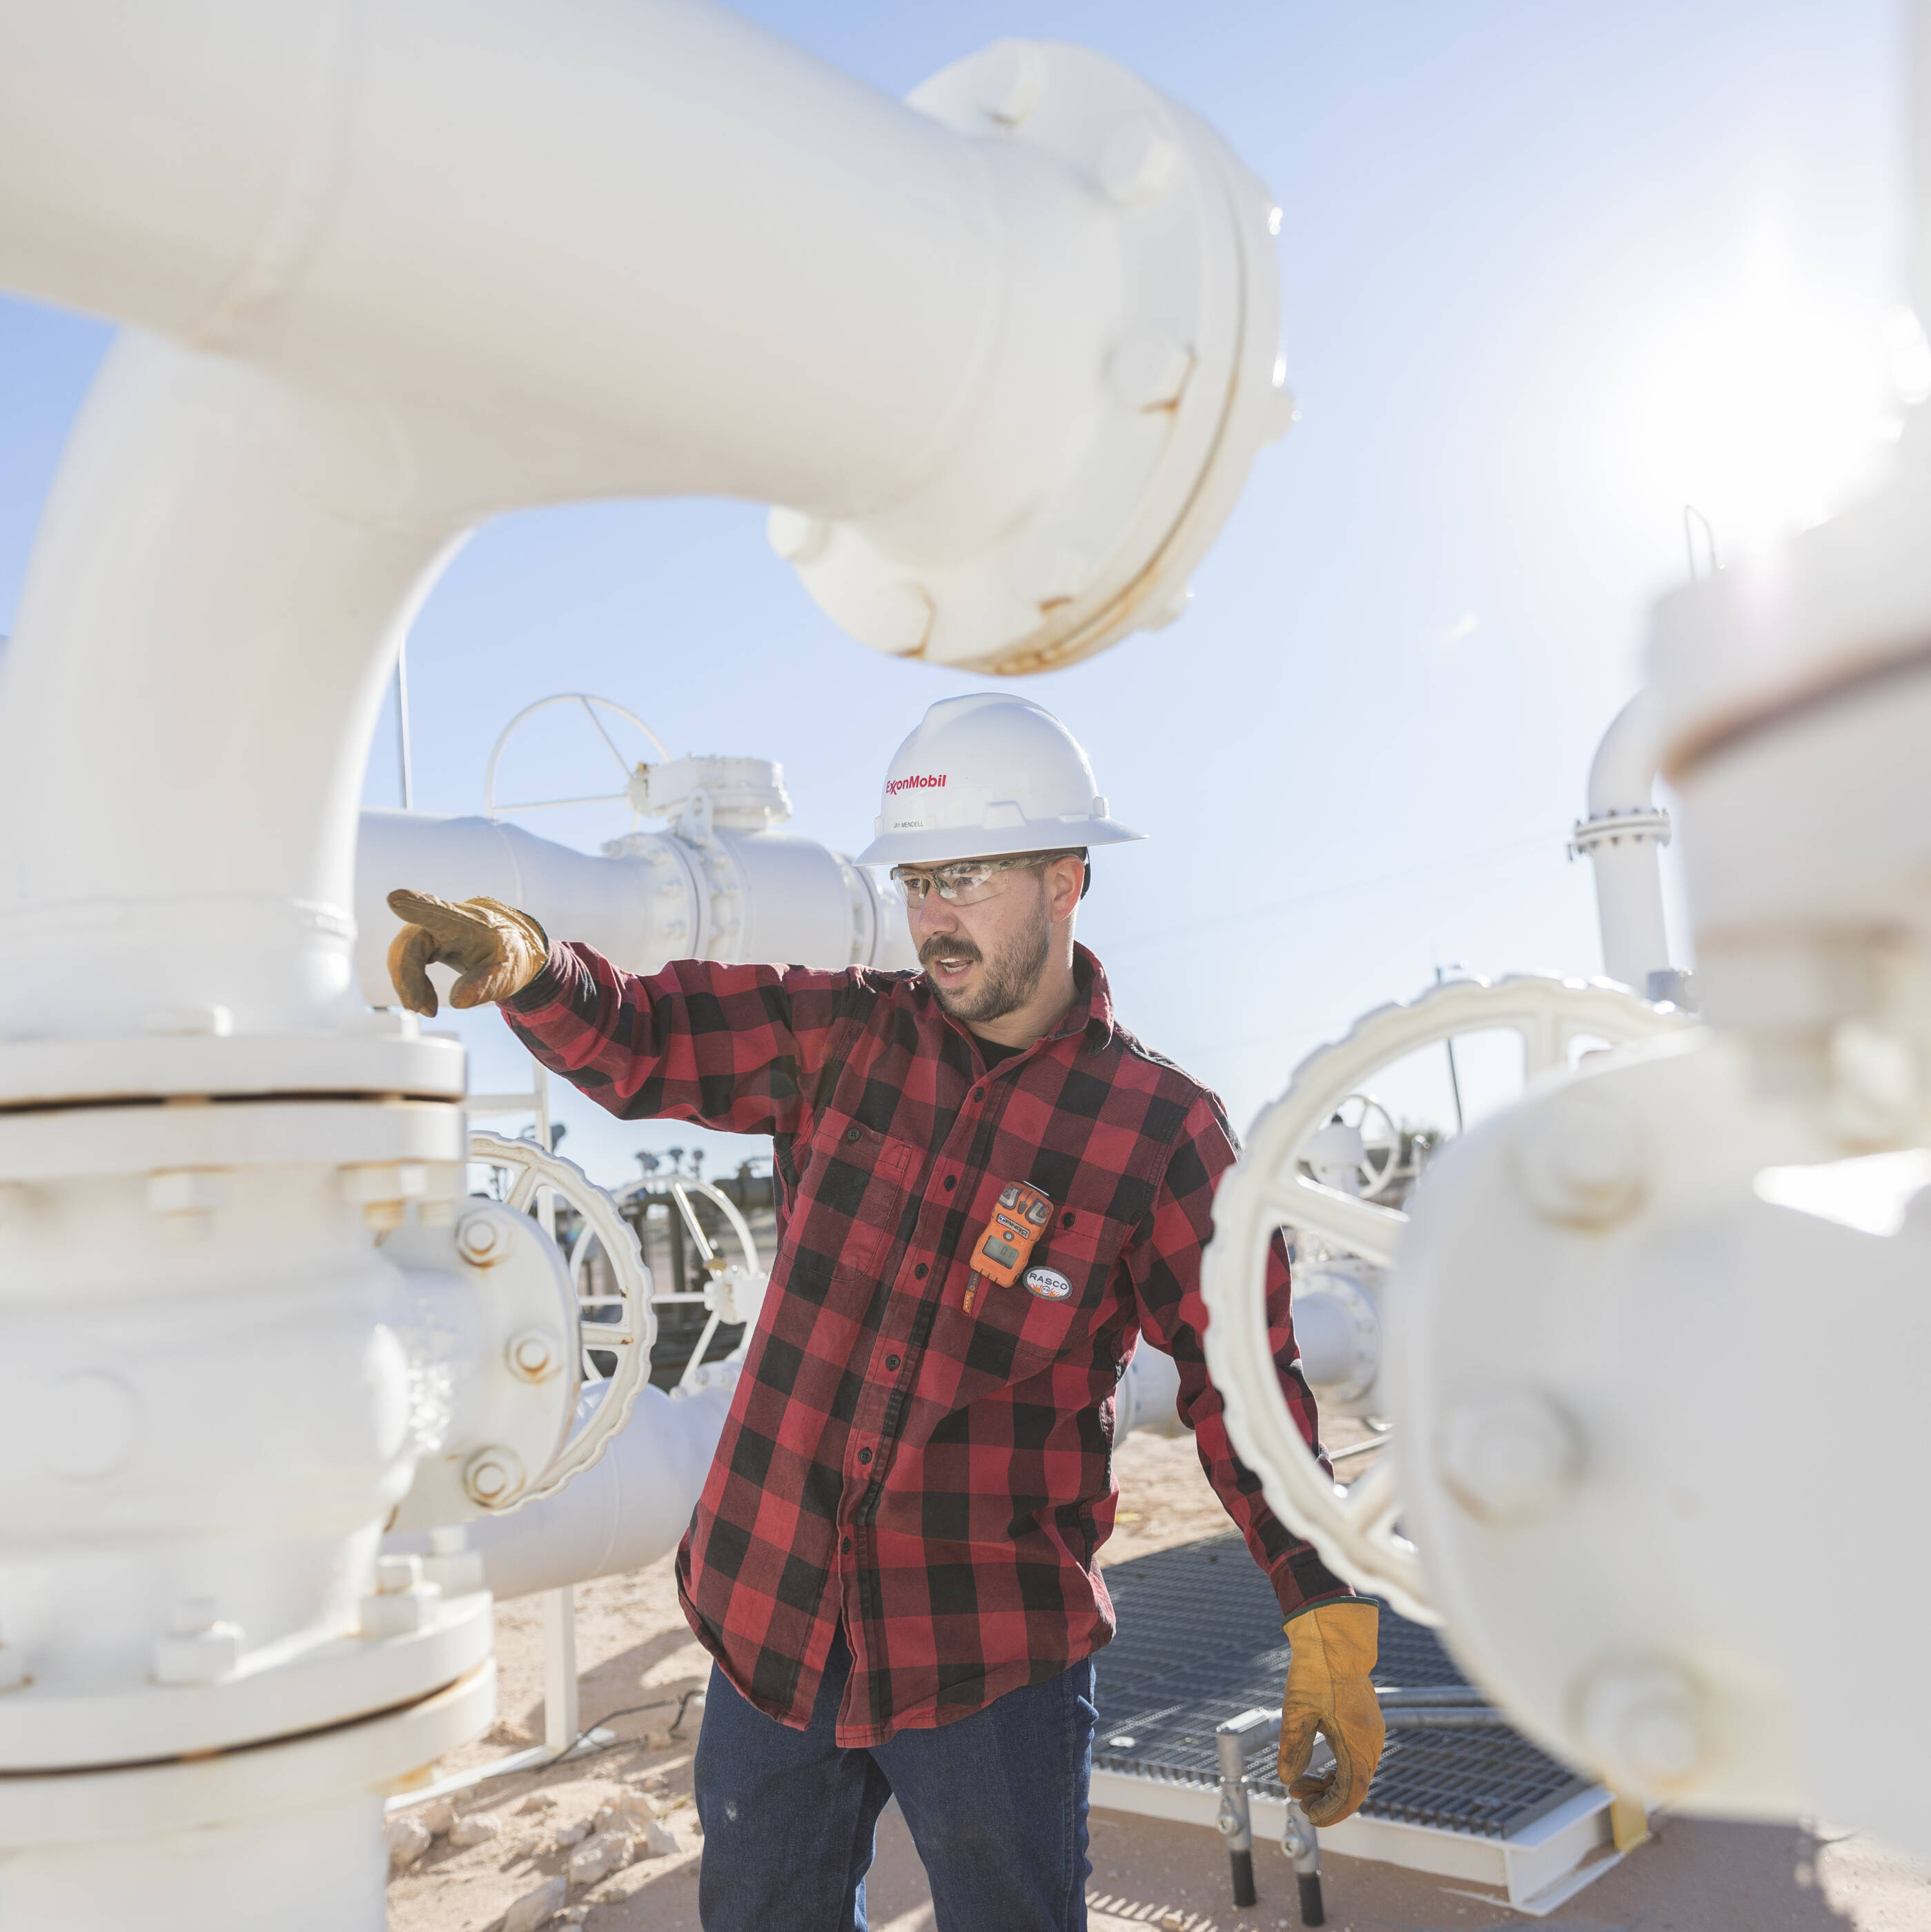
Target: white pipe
[209, 624]
[1148, 1394]
[628, 1509]
[764, 896]
[632, 1507]
[467, 206]
[1623, 836]
[1622, 774]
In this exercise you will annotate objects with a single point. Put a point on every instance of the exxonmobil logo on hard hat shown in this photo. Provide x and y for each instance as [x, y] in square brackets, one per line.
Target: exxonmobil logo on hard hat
[918, 781]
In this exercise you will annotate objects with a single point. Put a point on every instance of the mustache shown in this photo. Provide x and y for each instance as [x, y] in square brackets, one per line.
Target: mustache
[948, 949]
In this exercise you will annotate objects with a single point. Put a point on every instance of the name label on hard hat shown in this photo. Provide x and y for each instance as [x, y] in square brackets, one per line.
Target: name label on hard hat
[1049, 1284]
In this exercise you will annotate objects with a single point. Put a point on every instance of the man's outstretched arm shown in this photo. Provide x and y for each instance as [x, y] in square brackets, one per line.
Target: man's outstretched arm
[736, 1047]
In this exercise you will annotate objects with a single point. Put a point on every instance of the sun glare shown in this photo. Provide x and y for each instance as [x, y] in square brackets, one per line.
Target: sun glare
[1770, 404]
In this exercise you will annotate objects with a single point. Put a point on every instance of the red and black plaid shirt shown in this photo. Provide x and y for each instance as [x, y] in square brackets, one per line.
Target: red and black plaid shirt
[938, 1482]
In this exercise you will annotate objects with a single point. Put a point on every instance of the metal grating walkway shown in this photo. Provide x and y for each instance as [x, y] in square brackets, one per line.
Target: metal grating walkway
[1200, 1641]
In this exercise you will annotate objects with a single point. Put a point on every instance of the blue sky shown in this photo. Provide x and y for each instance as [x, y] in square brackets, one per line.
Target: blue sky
[1548, 272]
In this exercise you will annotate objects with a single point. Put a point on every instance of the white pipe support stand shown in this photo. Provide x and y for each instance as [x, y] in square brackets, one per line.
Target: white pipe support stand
[1623, 838]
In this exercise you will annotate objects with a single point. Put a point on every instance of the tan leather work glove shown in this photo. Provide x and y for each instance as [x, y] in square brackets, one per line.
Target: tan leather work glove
[496, 950]
[1329, 1690]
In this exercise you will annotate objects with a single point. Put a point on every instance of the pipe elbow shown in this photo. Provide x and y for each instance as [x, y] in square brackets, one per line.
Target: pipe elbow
[1622, 774]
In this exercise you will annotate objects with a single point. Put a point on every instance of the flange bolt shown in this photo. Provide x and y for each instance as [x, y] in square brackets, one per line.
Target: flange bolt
[401, 1602]
[483, 1239]
[1510, 1457]
[197, 1647]
[1580, 1162]
[1642, 1722]
[533, 1355]
[493, 1476]
[1136, 161]
[1010, 81]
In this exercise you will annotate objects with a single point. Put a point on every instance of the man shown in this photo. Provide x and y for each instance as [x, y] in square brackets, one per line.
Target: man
[893, 1561]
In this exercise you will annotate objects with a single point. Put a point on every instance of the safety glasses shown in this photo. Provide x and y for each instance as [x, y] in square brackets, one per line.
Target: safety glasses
[965, 881]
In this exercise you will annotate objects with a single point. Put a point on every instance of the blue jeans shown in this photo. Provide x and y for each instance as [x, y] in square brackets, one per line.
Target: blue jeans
[995, 1802]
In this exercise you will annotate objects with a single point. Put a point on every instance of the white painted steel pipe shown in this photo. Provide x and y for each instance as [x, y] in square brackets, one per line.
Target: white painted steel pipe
[461, 211]
[765, 896]
[1623, 837]
[628, 1509]
[1148, 1393]
[632, 1507]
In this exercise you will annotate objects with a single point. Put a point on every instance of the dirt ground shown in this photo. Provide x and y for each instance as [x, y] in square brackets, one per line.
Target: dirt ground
[635, 1656]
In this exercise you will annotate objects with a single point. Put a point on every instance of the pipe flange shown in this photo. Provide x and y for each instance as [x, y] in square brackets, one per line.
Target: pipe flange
[1139, 421]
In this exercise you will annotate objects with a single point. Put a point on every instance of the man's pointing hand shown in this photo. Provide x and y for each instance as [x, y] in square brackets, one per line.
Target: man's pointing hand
[496, 950]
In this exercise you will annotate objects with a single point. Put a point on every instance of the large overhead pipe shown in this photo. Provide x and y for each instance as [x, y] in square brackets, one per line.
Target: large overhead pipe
[1005, 354]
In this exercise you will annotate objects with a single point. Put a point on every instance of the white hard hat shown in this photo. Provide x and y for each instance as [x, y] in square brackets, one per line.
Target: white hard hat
[984, 776]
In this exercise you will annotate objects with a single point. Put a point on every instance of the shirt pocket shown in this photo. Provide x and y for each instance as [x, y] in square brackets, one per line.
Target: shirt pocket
[852, 1191]
[1063, 1303]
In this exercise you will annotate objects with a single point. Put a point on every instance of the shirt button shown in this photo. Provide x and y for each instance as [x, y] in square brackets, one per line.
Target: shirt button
[951, 1181]
[846, 1547]
[851, 1136]
[978, 1092]
[1066, 1220]
[892, 1362]
[864, 1455]
[919, 1273]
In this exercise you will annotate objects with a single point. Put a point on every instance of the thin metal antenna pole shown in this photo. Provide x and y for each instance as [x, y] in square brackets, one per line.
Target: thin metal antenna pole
[1691, 518]
[1454, 1078]
[406, 776]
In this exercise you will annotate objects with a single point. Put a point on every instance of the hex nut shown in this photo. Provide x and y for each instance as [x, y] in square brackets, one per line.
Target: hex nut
[1148, 369]
[198, 1647]
[493, 1476]
[396, 1574]
[1580, 1162]
[1010, 81]
[895, 619]
[379, 1182]
[399, 1612]
[482, 1239]
[796, 538]
[1054, 567]
[1508, 1458]
[535, 1354]
[1642, 1720]
[1136, 161]
[187, 1190]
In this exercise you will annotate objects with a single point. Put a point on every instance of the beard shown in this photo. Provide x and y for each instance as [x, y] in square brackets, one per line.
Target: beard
[1011, 975]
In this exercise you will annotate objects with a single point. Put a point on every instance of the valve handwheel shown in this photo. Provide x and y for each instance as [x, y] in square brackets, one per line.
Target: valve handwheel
[628, 1336]
[1380, 1142]
[626, 769]
[1266, 1189]
[732, 1292]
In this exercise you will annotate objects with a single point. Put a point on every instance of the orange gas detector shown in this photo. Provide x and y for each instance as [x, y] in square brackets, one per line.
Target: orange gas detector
[1019, 1217]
